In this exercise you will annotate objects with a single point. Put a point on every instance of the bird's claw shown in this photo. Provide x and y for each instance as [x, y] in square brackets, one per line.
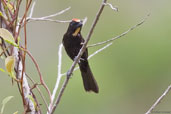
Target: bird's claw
[82, 59]
[75, 58]
[69, 74]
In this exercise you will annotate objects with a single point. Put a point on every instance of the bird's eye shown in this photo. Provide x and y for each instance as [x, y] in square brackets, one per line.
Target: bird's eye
[71, 24]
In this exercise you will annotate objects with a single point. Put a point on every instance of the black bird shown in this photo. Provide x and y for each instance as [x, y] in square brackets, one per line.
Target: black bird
[73, 41]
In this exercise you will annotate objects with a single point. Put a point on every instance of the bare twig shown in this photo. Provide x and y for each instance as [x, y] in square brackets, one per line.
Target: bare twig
[123, 34]
[93, 54]
[159, 100]
[32, 9]
[58, 77]
[101, 49]
[56, 14]
[78, 56]
[85, 20]
[39, 91]
[46, 18]
[40, 75]
[50, 20]
[111, 6]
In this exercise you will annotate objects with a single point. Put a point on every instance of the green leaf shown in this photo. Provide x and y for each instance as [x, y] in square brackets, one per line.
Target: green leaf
[2, 70]
[10, 6]
[9, 64]
[32, 99]
[1, 14]
[7, 36]
[18, 43]
[4, 102]
[12, 43]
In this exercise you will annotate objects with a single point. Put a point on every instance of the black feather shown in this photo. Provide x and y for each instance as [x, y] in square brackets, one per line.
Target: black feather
[72, 45]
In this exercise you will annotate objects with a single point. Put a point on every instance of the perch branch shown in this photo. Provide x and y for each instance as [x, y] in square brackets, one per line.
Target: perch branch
[69, 73]
[123, 34]
[60, 65]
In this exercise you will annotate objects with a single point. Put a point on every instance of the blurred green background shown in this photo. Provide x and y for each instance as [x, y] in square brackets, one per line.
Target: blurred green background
[131, 74]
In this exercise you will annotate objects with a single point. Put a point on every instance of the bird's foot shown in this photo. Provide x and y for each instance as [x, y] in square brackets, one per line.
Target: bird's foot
[69, 74]
[75, 58]
[82, 59]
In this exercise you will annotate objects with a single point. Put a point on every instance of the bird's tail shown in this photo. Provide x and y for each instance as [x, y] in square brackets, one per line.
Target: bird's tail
[89, 81]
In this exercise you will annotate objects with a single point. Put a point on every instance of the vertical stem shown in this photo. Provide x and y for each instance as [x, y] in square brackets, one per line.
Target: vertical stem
[58, 77]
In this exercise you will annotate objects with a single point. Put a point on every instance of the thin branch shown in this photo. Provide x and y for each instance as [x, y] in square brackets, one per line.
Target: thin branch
[56, 14]
[24, 16]
[40, 75]
[159, 100]
[59, 70]
[46, 18]
[38, 109]
[111, 6]
[93, 54]
[85, 20]
[78, 56]
[50, 20]
[16, 18]
[60, 95]
[123, 34]
[101, 49]
[59, 75]
[39, 91]
[32, 9]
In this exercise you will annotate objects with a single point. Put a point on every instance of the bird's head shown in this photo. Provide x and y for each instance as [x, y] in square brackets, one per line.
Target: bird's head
[75, 26]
